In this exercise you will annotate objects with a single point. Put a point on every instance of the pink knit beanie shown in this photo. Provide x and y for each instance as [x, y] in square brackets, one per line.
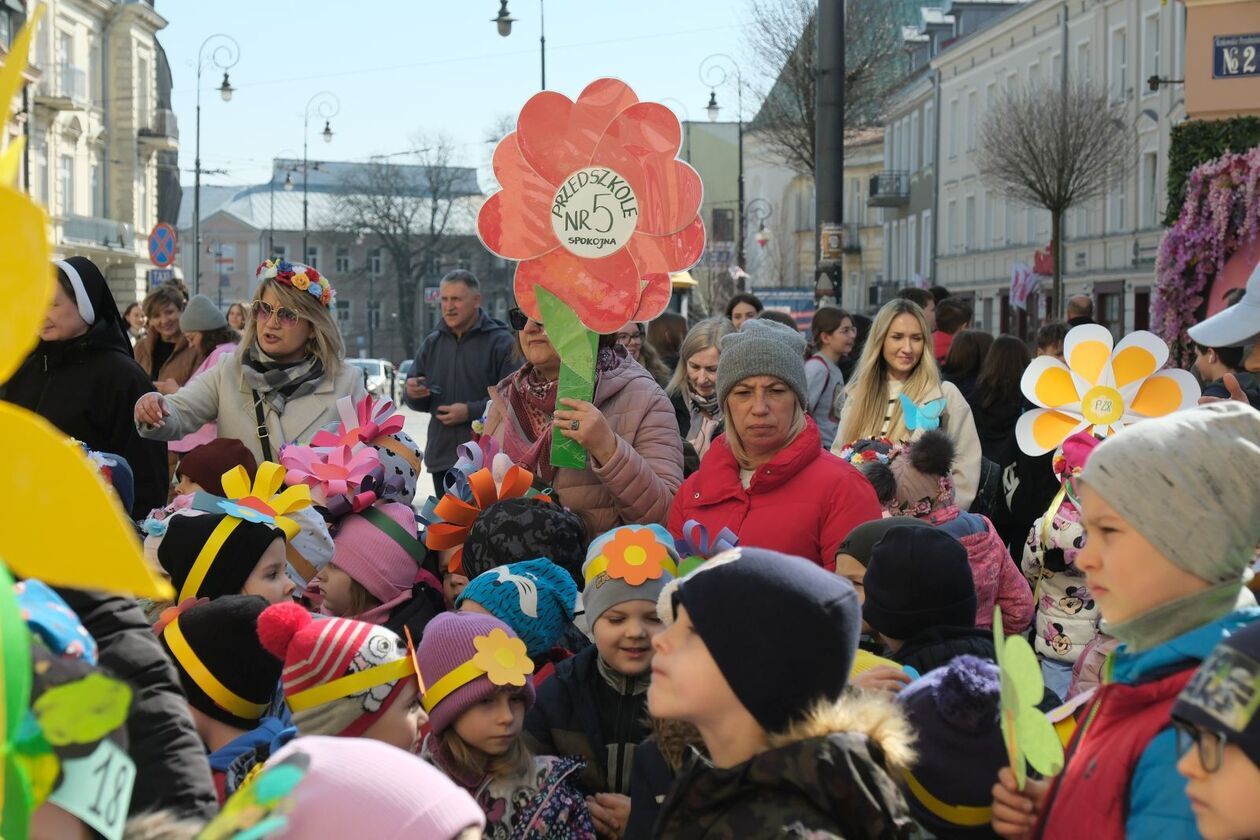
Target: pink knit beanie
[355, 787]
[378, 549]
[465, 658]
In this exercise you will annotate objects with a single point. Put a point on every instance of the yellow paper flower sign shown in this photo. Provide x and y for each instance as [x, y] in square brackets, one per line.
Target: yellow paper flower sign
[1101, 389]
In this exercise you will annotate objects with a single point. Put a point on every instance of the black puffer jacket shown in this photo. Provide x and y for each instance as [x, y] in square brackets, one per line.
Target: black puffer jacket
[936, 646]
[171, 766]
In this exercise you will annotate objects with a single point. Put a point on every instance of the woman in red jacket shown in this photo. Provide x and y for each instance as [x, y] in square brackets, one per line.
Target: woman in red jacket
[768, 478]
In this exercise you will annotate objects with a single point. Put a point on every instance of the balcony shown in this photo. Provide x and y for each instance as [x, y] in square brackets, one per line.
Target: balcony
[162, 130]
[889, 189]
[105, 233]
[64, 88]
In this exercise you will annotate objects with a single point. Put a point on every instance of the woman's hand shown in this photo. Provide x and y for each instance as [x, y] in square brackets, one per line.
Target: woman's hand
[593, 432]
[611, 812]
[151, 410]
[1015, 811]
[166, 386]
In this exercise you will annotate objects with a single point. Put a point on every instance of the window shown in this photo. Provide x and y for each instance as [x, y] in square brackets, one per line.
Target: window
[723, 224]
[973, 116]
[1118, 83]
[1008, 234]
[143, 210]
[1119, 198]
[1179, 34]
[374, 261]
[1142, 308]
[1030, 225]
[1084, 72]
[281, 252]
[98, 197]
[94, 73]
[916, 160]
[954, 119]
[375, 309]
[312, 256]
[912, 243]
[988, 221]
[969, 222]
[343, 259]
[343, 315]
[929, 134]
[144, 86]
[1150, 49]
[888, 248]
[925, 253]
[1150, 194]
[1034, 74]
[1056, 68]
[65, 185]
[224, 257]
[951, 243]
[6, 29]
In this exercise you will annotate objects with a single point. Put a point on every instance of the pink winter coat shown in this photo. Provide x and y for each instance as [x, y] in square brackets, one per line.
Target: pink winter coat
[804, 501]
[636, 485]
[998, 580]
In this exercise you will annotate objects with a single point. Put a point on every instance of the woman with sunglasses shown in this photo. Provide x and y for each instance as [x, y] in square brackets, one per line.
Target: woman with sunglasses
[283, 382]
[1170, 593]
[634, 452]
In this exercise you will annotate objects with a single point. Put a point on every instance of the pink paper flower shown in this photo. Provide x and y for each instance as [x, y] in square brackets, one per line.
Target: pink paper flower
[329, 473]
[364, 423]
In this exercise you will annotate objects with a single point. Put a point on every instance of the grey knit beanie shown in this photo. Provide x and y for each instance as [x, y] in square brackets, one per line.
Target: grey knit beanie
[201, 315]
[1203, 460]
[762, 348]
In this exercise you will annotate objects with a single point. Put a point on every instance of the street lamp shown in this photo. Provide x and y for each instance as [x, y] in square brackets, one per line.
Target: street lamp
[504, 20]
[759, 210]
[224, 55]
[326, 105]
[714, 72]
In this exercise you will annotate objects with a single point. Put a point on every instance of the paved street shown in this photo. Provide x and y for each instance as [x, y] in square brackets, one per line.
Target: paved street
[417, 425]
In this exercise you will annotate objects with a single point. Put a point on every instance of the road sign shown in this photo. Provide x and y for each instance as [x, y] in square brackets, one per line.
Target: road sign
[831, 242]
[162, 245]
[158, 276]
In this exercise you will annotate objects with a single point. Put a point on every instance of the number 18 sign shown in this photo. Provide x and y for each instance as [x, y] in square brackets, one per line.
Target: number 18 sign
[1235, 56]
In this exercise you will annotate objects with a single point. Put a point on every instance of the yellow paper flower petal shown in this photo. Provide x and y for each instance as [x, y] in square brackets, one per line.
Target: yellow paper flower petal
[236, 483]
[1164, 393]
[1041, 430]
[1133, 364]
[1055, 387]
[1089, 359]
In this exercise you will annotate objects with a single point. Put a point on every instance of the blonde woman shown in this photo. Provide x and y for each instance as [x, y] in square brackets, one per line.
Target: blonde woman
[283, 382]
[897, 393]
[693, 388]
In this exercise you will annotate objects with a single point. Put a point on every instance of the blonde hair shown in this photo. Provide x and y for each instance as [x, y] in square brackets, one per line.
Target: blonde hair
[737, 445]
[468, 761]
[708, 333]
[325, 341]
[868, 393]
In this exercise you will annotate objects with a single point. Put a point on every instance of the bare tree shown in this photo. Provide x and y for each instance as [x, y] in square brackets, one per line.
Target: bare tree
[1054, 148]
[782, 42]
[411, 210]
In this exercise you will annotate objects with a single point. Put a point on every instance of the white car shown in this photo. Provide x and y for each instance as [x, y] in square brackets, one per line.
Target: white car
[378, 377]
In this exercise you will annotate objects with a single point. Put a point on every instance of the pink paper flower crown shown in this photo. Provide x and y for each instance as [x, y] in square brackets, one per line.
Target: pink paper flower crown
[300, 277]
[364, 423]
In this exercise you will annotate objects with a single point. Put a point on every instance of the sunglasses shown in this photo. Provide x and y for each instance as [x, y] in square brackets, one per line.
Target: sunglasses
[1211, 744]
[518, 319]
[263, 312]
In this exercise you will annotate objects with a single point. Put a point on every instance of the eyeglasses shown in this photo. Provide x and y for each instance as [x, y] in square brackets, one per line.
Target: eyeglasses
[1211, 744]
[518, 319]
[626, 338]
[263, 312]
[850, 330]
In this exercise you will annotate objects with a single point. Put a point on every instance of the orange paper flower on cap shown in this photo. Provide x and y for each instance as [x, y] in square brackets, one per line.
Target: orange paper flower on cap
[635, 556]
[1100, 389]
[502, 657]
[595, 205]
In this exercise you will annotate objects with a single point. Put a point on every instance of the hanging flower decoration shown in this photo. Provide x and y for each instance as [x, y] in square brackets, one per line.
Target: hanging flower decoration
[450, 519]
[361, 424]
[634, 554]
[329, 473]
[502, 657]
[259, 502]
[594, 205]
[1101, 389]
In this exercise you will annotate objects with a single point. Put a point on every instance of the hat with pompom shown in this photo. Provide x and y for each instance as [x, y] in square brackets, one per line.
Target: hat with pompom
[339, 675]
[954, 712]
[465, 658]
[917, 480]
[536, 598]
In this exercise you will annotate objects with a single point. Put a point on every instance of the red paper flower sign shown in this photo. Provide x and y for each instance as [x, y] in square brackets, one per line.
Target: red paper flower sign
[595, 204]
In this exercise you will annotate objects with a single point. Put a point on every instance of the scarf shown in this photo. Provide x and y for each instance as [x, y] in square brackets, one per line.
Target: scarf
[1175, 618]
[619, 682]
[277, 383]
[708, 406]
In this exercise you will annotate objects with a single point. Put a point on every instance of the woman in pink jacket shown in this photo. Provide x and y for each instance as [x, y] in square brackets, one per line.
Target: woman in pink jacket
[768, 479]
[634, 450]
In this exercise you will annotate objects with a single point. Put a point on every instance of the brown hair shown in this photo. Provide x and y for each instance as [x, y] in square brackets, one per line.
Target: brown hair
[826, 320]
[920, 296]
[1051, 333]
[211, 339]
[469, 761]
[952, 314]
[360, 599]
[157, 300]
[967, 352]
[666, 333]
[325, 341]
[1002, 371]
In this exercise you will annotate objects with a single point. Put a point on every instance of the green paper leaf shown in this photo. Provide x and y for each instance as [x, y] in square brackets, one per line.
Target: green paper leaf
[83, 711]
[1029, 735]
[15, 671]
[577, 347]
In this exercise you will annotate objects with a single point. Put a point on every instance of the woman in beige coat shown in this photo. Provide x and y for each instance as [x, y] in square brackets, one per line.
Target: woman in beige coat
[634, 451]
[281, 385]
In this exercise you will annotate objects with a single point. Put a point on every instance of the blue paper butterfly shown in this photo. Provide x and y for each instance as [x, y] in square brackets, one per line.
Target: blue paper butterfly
[926, 417]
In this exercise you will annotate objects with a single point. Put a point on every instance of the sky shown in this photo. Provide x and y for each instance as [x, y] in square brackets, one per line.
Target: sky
[404, 69]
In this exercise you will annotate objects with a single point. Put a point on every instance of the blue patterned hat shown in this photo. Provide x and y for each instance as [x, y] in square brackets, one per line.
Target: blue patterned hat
[535, 598]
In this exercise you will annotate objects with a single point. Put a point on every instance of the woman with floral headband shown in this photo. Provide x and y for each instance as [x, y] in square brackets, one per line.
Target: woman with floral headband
[282, 384]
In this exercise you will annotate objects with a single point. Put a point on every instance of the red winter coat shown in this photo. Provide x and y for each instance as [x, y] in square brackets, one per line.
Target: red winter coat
[804, 501]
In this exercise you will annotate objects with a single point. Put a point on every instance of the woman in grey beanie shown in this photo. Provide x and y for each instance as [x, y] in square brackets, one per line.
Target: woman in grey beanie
[1169, 592]
[768, 478]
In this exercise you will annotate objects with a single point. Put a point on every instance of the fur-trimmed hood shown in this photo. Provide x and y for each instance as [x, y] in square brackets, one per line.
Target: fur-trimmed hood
[871, 714]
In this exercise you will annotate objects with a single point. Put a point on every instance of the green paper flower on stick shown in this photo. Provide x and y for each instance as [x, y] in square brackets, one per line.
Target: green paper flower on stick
[1028, 734]
[577, 347]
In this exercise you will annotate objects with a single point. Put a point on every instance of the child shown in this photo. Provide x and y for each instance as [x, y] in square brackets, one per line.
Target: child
[202, 467]
[522, 529]
[250, 561]
[536, 599]
[1067, 616]
[479, 690]
[921, 601]
[344, 677]
[1218, 736]
[1168, 593]
[924, 488]
[1213, 363]
[228, 678]
[791, 754]
[596, 707]
[375, 574]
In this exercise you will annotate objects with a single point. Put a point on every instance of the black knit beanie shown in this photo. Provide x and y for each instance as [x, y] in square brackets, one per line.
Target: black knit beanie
[807, 641]
[918, 578]
[861, 540]
[219, 640]
[231, 566]
[525, 529]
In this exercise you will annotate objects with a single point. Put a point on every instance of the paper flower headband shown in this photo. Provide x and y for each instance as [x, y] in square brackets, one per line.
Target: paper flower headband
[260, 502]
[695, 547]
[329, 473]
[499, 657]
[634, 554]
[299, 276]
[1100, 389]
[361, 424]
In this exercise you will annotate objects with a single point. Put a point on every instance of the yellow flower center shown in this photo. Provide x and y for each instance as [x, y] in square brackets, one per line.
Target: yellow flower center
[504, 657]
[1102, 406]
[635, 555]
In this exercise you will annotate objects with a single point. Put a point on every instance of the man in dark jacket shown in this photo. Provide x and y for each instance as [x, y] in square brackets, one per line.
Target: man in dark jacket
[457, 364]
[1080, 310]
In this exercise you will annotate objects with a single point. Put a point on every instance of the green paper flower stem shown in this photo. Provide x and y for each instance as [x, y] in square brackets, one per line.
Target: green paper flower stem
[15, 692]
[577, 347]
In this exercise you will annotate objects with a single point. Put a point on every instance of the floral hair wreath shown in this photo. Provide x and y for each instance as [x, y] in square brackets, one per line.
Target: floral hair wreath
[300, 277]
[869, 450]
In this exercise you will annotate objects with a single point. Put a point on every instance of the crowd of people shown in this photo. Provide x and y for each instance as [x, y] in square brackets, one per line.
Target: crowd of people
[763, 607]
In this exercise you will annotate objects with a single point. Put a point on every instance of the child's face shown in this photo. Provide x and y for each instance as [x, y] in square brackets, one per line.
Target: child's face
[334, 585]
[494, 724]
[1224, 802]
[848, 567]
[452, 585]
[1126, 574]
[268, 578]
[686, 682]
[186, 485]
[1055, 350]
[400, 725]
[624, 635]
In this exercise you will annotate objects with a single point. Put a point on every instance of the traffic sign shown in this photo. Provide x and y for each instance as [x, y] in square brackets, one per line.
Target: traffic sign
[162, 245]
[158, 276]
